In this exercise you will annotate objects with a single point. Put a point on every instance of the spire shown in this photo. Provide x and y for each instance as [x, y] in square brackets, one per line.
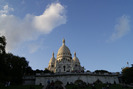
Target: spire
[53, 54]
[74, 54]
[63, 41]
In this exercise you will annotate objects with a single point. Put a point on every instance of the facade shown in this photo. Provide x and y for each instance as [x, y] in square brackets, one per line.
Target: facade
[64, 61]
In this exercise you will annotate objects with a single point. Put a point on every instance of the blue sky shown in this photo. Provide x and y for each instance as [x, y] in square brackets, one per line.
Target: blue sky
[99, 31]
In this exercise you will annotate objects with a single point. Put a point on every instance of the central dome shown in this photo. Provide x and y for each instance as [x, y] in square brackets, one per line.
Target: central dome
[63, 51]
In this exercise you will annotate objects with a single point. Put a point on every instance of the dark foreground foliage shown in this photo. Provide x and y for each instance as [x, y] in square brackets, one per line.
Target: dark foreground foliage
[127, 75]
[98, 86]
[22, 87]
[12, 67]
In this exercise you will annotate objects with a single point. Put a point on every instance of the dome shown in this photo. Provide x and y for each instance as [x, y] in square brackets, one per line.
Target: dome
[63, 51]
[75, 59]
[52, 60]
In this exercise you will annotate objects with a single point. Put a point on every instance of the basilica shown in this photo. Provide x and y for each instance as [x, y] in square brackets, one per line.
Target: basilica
[67, 69]
[64, 61]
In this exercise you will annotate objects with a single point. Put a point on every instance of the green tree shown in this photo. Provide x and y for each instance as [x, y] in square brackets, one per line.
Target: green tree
[18, 66]
[29, 71]
[2, 44]
[12, 68]
[127, 75]
[101, 71]
[47, 71]
[2, 57]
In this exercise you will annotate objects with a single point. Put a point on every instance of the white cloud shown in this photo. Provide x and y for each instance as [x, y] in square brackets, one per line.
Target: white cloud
[5, 10]
[121, 28]
[34, 46]
[31, 27]
[16, 30]
[52, 17]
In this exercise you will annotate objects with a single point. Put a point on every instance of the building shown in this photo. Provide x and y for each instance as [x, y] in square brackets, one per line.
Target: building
[67, 69]
[64, 61]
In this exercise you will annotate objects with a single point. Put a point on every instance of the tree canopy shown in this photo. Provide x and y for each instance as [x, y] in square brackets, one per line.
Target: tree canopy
[101, 71]
[2, 44]
[127, 75]
[12, 67]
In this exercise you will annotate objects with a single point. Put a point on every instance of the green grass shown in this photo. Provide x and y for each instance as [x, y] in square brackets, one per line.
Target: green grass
[98, 86]
[21, 87]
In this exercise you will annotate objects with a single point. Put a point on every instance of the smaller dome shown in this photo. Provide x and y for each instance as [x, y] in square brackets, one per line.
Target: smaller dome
[75, 59]
[52, 60]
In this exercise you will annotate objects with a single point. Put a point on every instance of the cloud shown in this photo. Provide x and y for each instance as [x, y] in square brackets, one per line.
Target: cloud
[29, 28]
[5, 10]
[16, 30]
[34, 46]
[52, 17]
[121, 28]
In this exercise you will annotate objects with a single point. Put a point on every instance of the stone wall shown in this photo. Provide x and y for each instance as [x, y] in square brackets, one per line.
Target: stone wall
[29, 80]
[72, 77]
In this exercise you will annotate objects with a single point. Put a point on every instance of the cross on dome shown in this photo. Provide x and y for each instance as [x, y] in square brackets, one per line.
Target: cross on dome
[63, 41]
[53, 54]
[74, 54]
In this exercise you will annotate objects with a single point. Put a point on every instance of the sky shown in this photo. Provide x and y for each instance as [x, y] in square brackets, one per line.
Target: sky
[99, 31]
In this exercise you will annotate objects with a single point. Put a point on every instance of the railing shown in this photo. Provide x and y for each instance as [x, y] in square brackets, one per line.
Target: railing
[74, 73]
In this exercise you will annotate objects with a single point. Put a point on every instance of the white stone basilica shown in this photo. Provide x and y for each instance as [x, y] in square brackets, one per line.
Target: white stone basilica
[67, 69]
[64, 62]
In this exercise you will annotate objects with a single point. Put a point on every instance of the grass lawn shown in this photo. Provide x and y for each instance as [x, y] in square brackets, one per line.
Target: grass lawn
[22, 87]
[99, 86]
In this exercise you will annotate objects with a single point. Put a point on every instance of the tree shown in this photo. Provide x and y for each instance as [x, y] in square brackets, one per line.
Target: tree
[29, 71]
[12, 68]
[18, 66]
[127, 75]
[2, 57]
[43, 71]
[47, 71]
[101, 71]
[2, 44]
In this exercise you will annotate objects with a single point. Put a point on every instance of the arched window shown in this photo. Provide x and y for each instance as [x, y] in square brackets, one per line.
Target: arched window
[64, 67]
[52, 65]
[76, 65]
